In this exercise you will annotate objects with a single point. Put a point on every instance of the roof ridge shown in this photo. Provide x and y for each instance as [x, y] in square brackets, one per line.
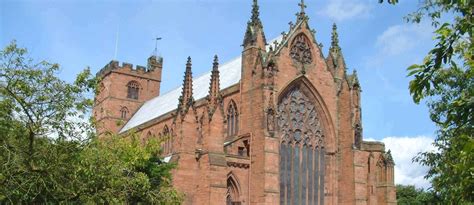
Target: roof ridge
[167, 102]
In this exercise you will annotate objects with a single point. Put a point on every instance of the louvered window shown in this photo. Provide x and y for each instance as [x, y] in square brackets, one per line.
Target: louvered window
[133, 89]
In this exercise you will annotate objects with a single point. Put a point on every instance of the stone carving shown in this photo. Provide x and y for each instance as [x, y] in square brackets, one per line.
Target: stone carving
[238, 165]
[357, 136]
[301, 50]
[270, 120]
[298, 121]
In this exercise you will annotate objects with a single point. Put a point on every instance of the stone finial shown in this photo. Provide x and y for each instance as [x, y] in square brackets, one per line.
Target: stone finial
[301, 15]
[255, 19]
[335, 50]
[214, 86]
[302, 6]
[254, 30]
[355, 79]
[188, 63]
[215, 64]
[334, 38]
[187, 93]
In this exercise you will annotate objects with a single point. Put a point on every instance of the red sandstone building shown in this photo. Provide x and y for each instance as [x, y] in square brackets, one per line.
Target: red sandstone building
[279, 125]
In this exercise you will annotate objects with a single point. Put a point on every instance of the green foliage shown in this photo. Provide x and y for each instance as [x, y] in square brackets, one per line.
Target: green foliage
[445, 79]
[409, 195]
[48, 152]
[122, 169]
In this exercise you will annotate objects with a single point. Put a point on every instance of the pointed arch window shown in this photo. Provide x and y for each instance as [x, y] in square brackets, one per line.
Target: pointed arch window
[233, 191]
[166, 143]
[124, 112]
[302, 152]
[133, 88]
[232, 119]
[147, 137]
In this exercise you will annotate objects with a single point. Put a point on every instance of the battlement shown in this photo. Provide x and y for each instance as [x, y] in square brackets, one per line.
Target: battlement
[154, 63]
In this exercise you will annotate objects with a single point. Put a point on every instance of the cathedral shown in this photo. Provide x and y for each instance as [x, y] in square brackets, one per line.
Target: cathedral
[281, 124]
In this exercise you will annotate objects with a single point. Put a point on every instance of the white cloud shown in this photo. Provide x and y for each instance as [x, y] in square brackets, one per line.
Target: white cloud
[403, 150]
[340, 10]
[401, 38]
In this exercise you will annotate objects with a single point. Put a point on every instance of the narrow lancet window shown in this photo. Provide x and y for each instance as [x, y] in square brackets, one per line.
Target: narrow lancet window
[123, 113]
[166, 141]
[232, 119]
[233, 191]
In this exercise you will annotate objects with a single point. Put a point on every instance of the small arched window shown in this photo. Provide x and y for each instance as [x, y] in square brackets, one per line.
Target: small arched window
[124, 112]
[166, 144]
[232, 119]
[132, 90]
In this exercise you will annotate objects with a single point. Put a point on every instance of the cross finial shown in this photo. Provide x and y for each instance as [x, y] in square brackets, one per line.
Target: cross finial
[301, 15]
[302, 6]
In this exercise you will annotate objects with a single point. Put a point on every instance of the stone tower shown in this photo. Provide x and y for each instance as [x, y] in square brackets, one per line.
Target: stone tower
[122, 90]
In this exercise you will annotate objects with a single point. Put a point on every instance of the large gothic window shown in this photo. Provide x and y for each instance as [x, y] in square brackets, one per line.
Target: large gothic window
[133, 89]
[232, 119]
[302, 152]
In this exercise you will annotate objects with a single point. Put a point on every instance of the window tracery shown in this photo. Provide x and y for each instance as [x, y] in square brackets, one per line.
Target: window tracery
[133, 89]
[302, 153]
[301, 50]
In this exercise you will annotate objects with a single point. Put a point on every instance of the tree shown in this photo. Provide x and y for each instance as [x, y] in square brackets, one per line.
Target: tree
[445, 79]
[408, 194]
[48, 151]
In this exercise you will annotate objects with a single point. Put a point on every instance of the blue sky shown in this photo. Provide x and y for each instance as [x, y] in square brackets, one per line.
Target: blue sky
[374, 38]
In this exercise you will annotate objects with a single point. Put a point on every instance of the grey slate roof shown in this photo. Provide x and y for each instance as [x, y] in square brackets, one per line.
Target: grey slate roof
[158, 106]
[165, 103]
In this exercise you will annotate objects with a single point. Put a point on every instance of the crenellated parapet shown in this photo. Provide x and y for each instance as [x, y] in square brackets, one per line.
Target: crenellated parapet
[153, 69]
[123, 89]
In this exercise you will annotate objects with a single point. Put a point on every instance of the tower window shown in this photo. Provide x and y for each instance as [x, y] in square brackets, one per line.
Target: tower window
[123, 113]
[132, 90]
[232, 119]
